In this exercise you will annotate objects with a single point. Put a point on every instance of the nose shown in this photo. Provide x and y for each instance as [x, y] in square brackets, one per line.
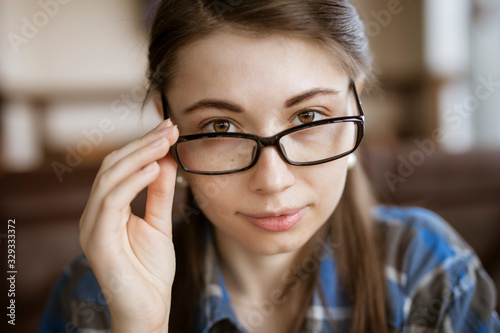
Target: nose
[271, 174]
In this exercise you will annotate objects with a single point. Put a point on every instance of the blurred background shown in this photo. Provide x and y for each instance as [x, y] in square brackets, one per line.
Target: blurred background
[72, 81]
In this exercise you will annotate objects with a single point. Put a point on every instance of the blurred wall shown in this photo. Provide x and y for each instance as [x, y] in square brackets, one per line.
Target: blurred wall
[66, 66]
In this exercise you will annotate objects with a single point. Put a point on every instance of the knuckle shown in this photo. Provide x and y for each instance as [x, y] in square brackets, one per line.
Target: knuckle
[144, 156]
[82, 220]
[109, 158]
[82, 239]
[109, 202]
[145, 138]
[103, 179]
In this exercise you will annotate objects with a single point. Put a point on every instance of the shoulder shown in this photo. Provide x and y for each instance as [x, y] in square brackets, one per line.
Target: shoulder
[417, 240]
[435, 279]
[76, 301]
[416, 220]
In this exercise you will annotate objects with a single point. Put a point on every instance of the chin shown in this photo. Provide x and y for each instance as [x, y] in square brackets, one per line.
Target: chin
[275, 243]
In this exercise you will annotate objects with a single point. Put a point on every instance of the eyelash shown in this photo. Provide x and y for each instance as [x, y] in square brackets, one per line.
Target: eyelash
[323, 114]
[208, 122]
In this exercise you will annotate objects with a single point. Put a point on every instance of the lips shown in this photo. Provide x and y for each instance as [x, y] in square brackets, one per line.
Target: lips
[276, 221]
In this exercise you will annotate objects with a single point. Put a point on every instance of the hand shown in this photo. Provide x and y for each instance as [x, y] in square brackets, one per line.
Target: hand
[133, 258]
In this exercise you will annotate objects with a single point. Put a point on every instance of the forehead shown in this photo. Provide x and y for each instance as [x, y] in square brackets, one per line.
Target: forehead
[231, 65]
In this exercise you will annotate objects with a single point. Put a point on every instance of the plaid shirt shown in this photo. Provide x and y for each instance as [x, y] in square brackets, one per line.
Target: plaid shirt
[435, 284]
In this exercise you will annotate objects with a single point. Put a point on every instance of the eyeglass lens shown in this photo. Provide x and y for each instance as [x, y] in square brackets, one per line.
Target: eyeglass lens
[226, 154]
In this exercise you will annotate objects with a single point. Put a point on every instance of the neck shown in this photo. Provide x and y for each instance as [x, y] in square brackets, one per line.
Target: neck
[255, 278]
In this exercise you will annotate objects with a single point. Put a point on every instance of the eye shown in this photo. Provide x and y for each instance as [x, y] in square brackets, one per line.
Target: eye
[307, 116]
[219, 126]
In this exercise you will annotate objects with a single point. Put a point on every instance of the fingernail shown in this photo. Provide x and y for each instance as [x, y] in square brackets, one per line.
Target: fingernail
[164, 124]
[167, 130]
[150, 167]
[157, 142]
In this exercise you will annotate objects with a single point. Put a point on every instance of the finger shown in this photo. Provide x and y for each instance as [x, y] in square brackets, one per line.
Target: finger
[160, 196]
[146, 139]
[113, 209]
[130, 164]
[137, 159]
[147, 243]
[116, 155]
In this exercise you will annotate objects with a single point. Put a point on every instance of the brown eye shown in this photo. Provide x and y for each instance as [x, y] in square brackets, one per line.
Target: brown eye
[306, 117]
[221, 126]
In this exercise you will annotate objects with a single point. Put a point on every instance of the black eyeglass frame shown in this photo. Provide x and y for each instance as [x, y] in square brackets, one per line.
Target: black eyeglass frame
[359, 120]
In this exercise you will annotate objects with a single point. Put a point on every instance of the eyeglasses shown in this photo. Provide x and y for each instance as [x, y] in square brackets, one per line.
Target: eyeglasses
[308, 144]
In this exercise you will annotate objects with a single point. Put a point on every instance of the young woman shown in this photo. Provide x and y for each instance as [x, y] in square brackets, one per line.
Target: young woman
[280, 232]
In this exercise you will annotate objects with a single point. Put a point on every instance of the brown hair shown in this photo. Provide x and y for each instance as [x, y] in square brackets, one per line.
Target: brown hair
[337, 26]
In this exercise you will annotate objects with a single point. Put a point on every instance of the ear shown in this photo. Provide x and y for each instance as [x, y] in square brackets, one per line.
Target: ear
[360, 84]
[359, 87]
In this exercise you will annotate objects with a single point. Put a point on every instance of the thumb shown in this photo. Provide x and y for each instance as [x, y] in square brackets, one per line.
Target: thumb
[160, 193]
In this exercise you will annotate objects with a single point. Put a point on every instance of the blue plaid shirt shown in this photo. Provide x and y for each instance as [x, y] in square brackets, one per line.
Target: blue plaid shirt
[435, 284]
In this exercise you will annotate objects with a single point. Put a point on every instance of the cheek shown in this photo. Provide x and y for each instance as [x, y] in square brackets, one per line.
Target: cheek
[212, 193]
[328, 183]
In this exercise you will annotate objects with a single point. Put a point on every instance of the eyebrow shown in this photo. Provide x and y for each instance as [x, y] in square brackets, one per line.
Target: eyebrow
[308, 95]
[213, 104]
[222, 105]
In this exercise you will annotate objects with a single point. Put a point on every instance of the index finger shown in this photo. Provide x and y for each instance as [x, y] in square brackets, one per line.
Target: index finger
[160, 195]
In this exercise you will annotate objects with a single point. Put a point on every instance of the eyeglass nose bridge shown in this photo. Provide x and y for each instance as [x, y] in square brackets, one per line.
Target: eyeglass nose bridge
[269, 141]
[272, 141]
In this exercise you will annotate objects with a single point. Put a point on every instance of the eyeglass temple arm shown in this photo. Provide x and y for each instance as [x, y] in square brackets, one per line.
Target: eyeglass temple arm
[358, 100]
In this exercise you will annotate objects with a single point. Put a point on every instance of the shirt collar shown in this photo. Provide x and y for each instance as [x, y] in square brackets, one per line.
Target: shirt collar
[215, 306]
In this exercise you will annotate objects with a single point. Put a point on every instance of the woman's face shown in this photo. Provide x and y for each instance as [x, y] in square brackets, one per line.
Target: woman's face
[259, 77]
